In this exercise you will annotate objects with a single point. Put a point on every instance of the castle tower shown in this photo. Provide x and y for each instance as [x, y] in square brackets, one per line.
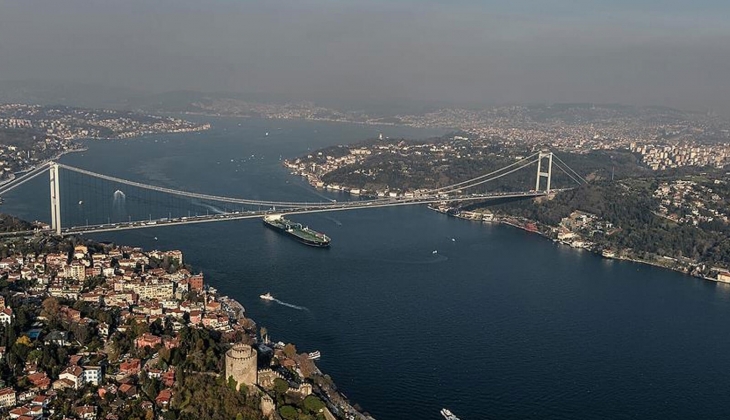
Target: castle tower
[241, 365]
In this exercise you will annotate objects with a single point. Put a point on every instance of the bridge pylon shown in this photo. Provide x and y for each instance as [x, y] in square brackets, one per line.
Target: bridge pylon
[55, 198]
[540, 174]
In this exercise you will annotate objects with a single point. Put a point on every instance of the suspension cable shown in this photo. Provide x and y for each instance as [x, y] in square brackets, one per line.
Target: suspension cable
[569, 168]
[23, 179]
[524, 165]
[452, 186]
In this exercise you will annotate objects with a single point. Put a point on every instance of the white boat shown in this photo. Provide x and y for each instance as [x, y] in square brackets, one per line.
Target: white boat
[314, 355]
[266, 296]
[435, 252]
[448, 415]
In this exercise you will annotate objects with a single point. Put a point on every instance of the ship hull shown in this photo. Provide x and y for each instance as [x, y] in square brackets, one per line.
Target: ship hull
[283, 231]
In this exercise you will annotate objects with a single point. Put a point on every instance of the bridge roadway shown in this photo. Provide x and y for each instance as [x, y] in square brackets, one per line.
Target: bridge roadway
[349, 205]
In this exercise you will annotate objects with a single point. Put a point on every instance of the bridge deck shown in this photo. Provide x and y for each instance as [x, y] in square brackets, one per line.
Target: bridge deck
[350, 205]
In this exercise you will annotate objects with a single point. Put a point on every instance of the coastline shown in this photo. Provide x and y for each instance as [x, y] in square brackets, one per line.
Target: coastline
[515, 224]
[327, 389]
[336, 401]
[58, 155]
[43, 162]
[532, 226]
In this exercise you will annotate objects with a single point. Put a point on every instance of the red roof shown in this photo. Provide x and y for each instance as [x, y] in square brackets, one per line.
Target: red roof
[164, 397]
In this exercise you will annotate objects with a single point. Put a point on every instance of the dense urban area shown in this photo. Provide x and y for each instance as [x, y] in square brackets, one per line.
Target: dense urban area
[96, 330]
[664, 137]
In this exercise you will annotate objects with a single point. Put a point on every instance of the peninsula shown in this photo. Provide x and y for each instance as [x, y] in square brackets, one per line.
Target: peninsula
[656, 193]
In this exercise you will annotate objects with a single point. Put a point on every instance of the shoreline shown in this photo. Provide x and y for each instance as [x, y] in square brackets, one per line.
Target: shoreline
[617, 258]
[83, 148]
[330, 120]
[41, 163]
[336, 399]
[332, 396]
[514, 222]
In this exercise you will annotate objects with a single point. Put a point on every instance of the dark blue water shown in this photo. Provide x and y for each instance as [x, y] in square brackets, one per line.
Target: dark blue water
[498, 324]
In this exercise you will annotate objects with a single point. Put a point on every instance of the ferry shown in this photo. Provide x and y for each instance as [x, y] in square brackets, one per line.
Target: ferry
[314, 355]
[266, 296]
[448, 415]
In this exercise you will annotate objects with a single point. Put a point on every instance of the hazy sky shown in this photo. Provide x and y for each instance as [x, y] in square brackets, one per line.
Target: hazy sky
[663, 52]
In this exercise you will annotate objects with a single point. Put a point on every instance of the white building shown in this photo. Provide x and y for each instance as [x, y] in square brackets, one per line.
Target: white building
[6, 316]
[74, 374]
[93, 375]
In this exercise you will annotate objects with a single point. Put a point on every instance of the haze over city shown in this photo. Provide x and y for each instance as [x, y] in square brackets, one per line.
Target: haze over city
[670, 53]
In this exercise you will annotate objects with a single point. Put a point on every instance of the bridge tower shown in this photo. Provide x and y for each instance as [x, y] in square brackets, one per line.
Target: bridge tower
[548, 174]
[55, 199]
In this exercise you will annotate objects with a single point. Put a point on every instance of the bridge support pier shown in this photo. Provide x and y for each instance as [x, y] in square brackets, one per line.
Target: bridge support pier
[55, 199]
[548, 174]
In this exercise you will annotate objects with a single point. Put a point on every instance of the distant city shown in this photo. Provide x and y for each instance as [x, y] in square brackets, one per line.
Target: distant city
[30, 134]
[664, 137]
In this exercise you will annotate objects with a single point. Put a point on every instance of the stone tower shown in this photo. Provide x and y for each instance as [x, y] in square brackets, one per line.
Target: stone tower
[241, 365]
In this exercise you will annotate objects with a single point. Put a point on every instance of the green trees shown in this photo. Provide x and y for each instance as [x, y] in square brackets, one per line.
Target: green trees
[313, 404]
[631, 208]
[310, 410]
[288, 412]
[201, 396]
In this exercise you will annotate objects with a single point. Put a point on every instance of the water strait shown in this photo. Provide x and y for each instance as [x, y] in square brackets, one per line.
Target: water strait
[497, 324]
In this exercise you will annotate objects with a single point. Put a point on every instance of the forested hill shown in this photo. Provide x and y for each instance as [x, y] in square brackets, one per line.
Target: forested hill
[642, 221]
[10, 223]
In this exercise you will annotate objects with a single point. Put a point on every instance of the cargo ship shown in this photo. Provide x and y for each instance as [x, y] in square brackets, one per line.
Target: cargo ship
[297, 231]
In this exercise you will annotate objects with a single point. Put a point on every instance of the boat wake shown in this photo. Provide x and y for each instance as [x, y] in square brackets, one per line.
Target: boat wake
[289, 305]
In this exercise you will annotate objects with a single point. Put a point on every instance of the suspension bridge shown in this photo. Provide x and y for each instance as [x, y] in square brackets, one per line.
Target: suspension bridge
[135, 205]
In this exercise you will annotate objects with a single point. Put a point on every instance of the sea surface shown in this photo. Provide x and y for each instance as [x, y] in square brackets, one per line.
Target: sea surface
[414, 311]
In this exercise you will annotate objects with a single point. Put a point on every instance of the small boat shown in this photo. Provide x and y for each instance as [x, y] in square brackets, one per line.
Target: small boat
[266, 296]
[435, 252]
[448, 415]
[314, 355]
